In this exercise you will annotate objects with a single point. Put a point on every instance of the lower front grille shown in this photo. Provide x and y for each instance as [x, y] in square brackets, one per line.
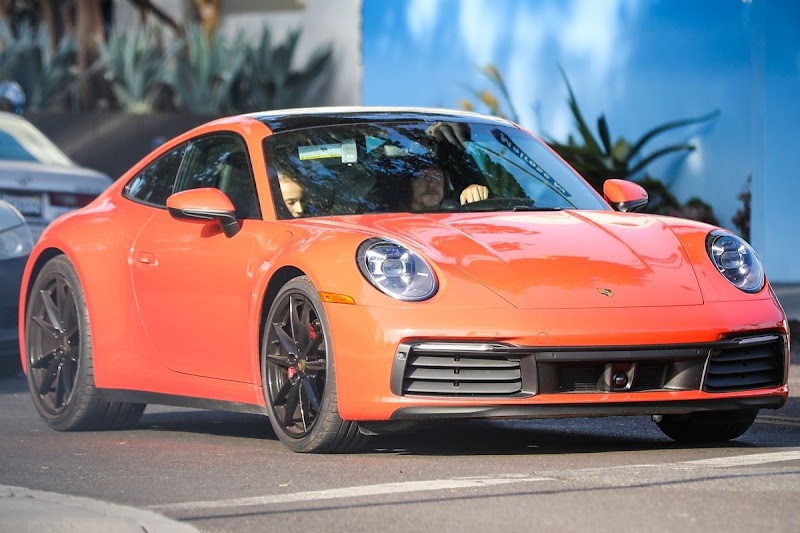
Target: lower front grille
[464, 369]
[594, 377]
[752, 366]
[459, 370]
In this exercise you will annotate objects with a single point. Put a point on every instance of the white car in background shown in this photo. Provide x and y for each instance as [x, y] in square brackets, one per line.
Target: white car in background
[37, 178]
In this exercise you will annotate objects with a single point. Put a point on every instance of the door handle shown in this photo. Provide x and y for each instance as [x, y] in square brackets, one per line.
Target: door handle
[145, 258]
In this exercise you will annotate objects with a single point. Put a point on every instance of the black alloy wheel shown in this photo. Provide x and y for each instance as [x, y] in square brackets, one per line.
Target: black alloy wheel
[54, 343]
[58, 348]
[298, 374]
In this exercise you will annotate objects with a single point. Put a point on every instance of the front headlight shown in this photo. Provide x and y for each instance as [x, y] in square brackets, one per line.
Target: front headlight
[735, 260]
[15, 242]
[395, 270]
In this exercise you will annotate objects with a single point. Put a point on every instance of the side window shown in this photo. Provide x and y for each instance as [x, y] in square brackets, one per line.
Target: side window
[221, 162]
[153, 184]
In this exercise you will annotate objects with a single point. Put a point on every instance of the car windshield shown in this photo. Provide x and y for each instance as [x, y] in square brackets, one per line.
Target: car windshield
[387, 167]
[21, 141]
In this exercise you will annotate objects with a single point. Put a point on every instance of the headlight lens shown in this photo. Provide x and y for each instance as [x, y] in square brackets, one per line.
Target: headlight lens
[15, 242]
[395, 270]
[736, 260]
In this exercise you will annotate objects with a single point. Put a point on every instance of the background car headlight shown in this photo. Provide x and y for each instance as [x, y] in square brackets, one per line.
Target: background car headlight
[735, 260]
[395, 270]
[15, 242]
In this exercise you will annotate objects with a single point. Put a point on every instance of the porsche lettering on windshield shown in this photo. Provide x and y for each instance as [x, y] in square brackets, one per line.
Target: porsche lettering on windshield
[506, 141]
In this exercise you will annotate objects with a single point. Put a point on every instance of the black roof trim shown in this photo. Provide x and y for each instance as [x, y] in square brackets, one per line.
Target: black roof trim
[279, 121]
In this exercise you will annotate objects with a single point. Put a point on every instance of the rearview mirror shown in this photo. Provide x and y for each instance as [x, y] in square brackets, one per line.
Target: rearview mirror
[624, 195]
[202, 205]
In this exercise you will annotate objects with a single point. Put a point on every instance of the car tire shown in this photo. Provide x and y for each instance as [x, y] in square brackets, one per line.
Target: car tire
[298, 374]
[705, 427]
[59, 356]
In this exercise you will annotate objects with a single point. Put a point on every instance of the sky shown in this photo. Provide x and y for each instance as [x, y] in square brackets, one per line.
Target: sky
[446, 42]
[640, 63]
[429, 52]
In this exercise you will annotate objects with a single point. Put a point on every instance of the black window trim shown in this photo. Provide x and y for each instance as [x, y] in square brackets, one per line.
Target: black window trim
[182, 167]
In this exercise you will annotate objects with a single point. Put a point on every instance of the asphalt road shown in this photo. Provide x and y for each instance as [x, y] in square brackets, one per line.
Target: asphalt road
[228, 472]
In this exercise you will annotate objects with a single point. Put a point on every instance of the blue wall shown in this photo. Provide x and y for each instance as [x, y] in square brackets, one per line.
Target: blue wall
[639, 62]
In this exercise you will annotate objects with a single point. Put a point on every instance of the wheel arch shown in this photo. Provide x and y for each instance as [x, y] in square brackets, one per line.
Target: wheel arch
[281, 277]
[44, 257]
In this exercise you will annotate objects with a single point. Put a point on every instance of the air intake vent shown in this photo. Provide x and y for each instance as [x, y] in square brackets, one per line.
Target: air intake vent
[745, 367]
[442, 373]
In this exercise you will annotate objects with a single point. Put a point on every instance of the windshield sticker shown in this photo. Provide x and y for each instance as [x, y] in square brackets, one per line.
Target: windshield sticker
[506, 141]
[349, 151]
[346, 151]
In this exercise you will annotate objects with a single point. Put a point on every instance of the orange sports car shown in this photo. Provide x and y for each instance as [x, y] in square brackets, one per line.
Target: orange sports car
[348, 271]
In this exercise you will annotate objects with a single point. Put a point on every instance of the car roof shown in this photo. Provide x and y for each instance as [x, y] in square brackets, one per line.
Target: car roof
[292, 119]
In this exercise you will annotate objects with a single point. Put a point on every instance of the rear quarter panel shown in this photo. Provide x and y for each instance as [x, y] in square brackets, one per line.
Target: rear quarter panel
[97, 241]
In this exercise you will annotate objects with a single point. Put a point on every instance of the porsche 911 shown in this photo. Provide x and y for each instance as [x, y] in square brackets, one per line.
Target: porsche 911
[352, 271]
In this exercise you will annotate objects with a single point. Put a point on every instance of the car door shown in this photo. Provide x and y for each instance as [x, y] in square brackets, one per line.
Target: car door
[194, 285]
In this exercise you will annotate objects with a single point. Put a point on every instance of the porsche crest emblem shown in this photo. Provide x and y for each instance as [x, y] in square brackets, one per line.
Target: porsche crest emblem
[608, 293]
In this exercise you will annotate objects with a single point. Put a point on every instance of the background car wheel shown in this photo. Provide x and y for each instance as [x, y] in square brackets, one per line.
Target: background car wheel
[299, 376]
[9, 366]
[706, 427]
[59, 352]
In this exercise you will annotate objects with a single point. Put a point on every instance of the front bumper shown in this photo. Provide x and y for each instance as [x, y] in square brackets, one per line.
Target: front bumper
[558, 362]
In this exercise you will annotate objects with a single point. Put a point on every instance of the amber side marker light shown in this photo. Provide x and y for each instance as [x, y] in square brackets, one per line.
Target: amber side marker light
[333, 298]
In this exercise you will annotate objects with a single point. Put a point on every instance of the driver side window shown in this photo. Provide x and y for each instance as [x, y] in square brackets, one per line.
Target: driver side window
[220, 161]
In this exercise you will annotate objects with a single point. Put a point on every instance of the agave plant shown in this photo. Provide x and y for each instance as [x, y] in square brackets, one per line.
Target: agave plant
[488, 99]
[268, 81]
[599, 161]
[48, 79]
[136, 65]
[205, 69]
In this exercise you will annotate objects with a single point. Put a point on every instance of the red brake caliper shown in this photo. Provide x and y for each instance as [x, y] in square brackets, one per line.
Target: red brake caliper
[312, 333]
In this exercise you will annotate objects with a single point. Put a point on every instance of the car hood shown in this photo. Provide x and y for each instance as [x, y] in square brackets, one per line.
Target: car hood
[30, 176]
[559, 260]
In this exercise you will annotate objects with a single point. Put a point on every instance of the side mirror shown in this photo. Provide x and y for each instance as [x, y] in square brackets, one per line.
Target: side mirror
[202, 205]
[624, 195]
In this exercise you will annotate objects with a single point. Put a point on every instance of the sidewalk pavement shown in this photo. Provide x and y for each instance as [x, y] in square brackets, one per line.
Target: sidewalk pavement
[33, 511]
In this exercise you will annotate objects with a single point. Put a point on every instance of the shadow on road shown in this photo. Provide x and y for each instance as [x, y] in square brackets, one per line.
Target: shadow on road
[219, 423]
[485, 437]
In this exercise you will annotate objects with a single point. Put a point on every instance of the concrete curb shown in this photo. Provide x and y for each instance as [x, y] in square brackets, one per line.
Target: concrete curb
[25, 510]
